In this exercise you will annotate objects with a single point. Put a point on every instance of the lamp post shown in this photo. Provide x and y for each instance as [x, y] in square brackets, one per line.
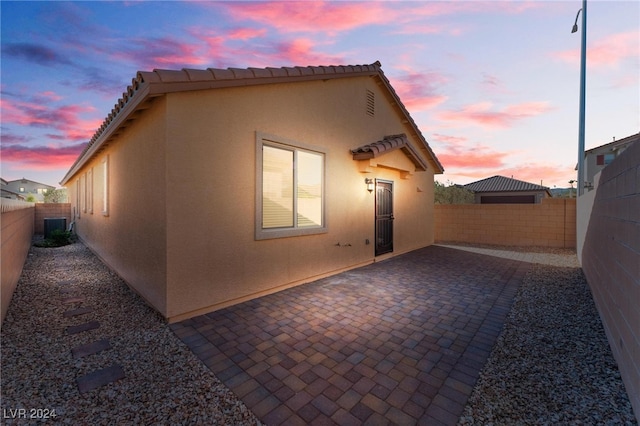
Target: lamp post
[583, 72]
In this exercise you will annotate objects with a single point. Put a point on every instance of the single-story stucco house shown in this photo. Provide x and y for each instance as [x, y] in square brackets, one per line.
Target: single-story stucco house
[205, 188]
[504, 190]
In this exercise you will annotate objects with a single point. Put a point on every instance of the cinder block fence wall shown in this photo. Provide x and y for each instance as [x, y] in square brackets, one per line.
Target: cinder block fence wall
[17, 230]
[50, 210]
[549, 224]
[611, 263]
[20, 221]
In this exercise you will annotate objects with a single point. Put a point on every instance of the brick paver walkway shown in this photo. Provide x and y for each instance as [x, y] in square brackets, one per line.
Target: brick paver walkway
[397, 342]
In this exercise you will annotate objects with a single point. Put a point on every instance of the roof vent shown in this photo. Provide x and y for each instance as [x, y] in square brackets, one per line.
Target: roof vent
[371, 103]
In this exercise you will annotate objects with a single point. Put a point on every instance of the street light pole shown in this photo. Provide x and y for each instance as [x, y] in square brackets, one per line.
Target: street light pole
[583, 73]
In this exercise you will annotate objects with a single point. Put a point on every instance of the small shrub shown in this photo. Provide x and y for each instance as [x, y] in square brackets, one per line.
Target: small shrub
[58, 238]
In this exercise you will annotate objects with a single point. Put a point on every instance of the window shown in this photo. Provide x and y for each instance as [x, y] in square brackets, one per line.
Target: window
[608, 158]
[78, 198]
[289, 189]
[105, 186]
[605, 159]
[83, 194]
[21, 189]
[90, 190]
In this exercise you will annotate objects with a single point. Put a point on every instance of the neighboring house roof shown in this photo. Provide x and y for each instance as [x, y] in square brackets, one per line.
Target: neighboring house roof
[503, 184]
[612, 146]
[147, 85]
[11, 194]
[388, 144]
[23, 180]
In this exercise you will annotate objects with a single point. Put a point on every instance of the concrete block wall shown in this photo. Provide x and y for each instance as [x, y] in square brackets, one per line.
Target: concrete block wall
[611, 263]
[16, 233]
[549, 224]
[50, 210]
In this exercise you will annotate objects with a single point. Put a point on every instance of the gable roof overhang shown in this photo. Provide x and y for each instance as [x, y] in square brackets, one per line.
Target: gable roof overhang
[150, 84]
[389, 144]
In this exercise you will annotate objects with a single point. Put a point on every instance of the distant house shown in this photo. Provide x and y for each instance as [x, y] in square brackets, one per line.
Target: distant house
[22, 188]
[205, 188]
[6, 193]
[598, 158]
[504, 190]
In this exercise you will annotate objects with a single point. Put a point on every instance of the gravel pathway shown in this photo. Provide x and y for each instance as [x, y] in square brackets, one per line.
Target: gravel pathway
[551, 364]
[164, 383]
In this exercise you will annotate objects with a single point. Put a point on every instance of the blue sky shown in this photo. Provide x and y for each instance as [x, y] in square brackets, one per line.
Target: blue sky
[494, 86]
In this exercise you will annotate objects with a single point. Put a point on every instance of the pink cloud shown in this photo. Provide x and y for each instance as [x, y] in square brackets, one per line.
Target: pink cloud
[41, 157]
[419, 91]
[246, 33]
[483, 115]
[460, 153]
[549, 174]
[610, 51]
[316, 16]
[333, 17]
[467, 162]
[65, 119]
[162, 52]
[301, 52]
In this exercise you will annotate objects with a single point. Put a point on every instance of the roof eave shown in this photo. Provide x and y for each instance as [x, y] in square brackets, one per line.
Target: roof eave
[160, 82]
[144, 92]
[439, 169]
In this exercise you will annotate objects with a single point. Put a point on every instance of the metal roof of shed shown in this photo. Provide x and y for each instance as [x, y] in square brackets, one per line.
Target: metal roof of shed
[503, 184]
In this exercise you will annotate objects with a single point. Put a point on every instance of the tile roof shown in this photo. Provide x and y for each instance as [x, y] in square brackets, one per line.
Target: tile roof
[388, 144]
[148, 84]
[503, 184]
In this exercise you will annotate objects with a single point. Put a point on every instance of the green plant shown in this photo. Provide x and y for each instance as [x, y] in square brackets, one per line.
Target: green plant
[452, 194]
[58, 238]
[55, 195]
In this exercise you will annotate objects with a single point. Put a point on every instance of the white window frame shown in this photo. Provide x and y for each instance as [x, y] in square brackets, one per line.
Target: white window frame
[78, 194]
[261, 233]
[105, 186]
[83, 193]
[90, 190]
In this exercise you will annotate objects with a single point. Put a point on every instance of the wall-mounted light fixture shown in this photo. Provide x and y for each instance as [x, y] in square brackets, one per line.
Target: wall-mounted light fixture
[369, 183]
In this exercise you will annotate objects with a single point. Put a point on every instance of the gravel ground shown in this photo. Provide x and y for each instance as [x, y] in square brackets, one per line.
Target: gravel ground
[164, 382]
[552, 363]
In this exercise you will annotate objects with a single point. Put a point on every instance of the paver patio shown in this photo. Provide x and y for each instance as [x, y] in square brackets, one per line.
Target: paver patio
[400, 341]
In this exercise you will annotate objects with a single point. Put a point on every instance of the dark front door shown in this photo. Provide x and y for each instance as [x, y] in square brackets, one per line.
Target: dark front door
[384, 216]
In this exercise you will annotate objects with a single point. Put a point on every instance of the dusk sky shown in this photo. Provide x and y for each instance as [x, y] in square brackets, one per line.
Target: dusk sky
[493, 86]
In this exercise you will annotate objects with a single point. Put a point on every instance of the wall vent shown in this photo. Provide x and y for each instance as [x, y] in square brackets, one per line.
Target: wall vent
[371, 103]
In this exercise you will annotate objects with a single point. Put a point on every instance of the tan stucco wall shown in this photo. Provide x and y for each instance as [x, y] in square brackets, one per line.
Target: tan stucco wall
[131, 239]
[181, 223]
[17, 230]
[549, 224]
[50, 210]
[213, 257]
